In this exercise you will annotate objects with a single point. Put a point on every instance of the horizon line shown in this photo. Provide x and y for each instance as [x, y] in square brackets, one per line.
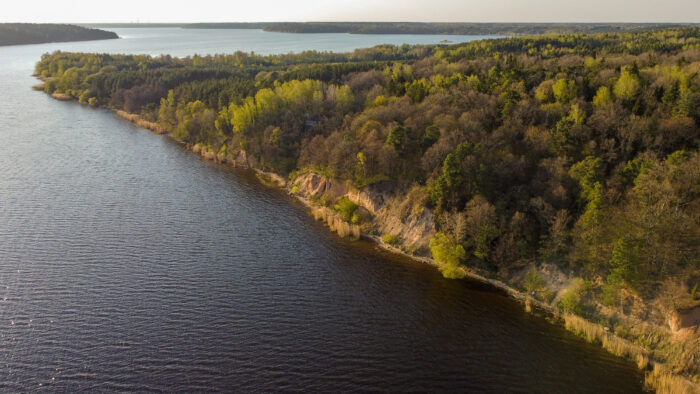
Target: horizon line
[405, 21]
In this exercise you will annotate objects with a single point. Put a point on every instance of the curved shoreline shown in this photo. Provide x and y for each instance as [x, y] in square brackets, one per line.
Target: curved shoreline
[657, 376]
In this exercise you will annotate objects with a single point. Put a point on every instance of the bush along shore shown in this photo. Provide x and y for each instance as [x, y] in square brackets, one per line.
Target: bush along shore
[561, 169]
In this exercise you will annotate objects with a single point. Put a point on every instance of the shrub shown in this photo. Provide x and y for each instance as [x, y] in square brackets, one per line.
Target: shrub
[571, 302]
[390, 239]
[610, 293]
[664, 381]
[533, 281]
[448, 255]
[345, 208]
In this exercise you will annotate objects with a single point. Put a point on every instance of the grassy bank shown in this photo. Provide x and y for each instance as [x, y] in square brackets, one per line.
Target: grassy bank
[658, 376]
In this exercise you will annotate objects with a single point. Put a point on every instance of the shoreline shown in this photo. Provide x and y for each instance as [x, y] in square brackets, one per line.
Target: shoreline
[657, 376]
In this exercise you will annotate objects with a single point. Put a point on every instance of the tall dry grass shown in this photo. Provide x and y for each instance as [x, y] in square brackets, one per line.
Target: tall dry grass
[594, 333]
[659, 378]
[336, 223]
[665, 382]
[139, 122]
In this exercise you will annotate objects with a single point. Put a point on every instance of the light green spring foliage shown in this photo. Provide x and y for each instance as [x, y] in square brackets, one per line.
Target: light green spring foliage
[378, 101]
[474, 82]
[678, 157]
[543, 93]
[565, 90]
[341, 95]
[346, 208]
[576, 115]
[307, 95]
[448, 255]
[195, 117]
[593, 215]
[167, 109]
[571, 300]
[533, 281]
[627, 86]
[634, 168]
[418, 89]
[390, 239]
[603, 97]
[588, 173]
[686, 102]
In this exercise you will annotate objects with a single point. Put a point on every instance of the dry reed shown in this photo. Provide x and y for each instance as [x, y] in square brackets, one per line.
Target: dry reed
[594, 333]
[139, 122]
[336, 223]
[665, 382]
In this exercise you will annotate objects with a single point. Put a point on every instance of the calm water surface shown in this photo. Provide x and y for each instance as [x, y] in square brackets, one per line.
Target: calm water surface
[126, 263]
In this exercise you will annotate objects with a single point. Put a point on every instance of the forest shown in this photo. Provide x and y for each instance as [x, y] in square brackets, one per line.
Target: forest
[578, 150]
[502, 29]
[498, 29]
[38, 33]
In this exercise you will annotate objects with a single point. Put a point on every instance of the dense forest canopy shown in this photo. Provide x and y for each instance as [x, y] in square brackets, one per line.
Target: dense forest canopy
[501, 29]
[580, 150]
[34, 33]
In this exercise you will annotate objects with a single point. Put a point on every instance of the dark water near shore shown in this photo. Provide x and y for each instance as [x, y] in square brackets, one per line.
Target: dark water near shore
[126, 263]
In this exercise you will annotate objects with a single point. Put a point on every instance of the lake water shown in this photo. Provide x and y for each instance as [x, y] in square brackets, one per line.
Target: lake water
[127, 263]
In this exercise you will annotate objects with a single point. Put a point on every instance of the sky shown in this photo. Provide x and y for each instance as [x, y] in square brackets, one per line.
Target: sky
[164, 11]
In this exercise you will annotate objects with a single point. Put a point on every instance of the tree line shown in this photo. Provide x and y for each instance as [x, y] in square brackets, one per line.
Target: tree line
[449, 28]
[36, 33]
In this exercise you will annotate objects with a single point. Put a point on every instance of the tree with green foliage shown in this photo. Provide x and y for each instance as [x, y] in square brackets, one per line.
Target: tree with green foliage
[544, 93]
[624, 268]
[448, 255]
[571, 302]
[430, 137]
[627, 86]
[564, 90]
[397, 138]
[625, 261]
[533, 280]
[588, 173]
[418, 90]
[346, 208]
[603, 97]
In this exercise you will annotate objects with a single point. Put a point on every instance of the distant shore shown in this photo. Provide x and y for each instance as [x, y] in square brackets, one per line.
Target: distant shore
[498, 29]
[40, 33]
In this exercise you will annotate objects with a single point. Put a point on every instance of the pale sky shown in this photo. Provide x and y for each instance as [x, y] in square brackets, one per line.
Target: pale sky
[95, 11]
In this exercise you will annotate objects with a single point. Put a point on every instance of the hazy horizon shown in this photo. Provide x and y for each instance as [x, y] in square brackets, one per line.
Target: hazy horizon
[468, 11]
